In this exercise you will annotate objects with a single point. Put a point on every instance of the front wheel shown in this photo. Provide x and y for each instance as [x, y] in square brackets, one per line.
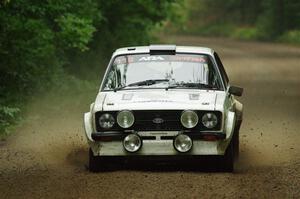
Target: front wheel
[96, 163]
[229, 157]
[236, 140]
[93, 162]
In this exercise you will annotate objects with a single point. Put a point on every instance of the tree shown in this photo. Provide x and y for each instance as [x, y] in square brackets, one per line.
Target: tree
[41, 40]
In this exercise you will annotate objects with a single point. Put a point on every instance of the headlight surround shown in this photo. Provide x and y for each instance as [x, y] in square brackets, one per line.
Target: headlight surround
[106, 121]
[132, 143]
[209, 120]
[125, 119]
[189, 119]
[183, 143]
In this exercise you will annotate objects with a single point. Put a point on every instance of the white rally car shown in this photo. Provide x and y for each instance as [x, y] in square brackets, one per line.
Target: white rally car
[164, 100]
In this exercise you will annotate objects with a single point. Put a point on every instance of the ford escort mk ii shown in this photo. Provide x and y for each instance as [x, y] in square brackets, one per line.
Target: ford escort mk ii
[164, 100]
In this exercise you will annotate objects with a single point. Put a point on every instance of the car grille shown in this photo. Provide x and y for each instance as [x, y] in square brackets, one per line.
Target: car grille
[158, 120]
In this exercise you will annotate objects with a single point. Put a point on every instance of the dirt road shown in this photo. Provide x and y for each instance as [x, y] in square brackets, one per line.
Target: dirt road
[47, 155]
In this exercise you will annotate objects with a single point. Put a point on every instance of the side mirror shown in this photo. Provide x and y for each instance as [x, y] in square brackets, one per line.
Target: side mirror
[237, 91]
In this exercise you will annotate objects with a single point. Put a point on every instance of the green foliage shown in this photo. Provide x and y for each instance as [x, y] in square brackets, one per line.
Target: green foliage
[129, 22]
[206, 12]
[218, 30]
[34, 41]
[255, 19]
[8, 117]
[75, 32]
[278, 17]
[42, 40]
[124, 23]
[245, 33]
[292, 36]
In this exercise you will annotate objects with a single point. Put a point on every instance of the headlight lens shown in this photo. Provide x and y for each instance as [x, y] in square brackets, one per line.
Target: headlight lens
[189, 119]
[125, 119]
[132, 143]
[183, 143]
[106, 121]
[209, 120]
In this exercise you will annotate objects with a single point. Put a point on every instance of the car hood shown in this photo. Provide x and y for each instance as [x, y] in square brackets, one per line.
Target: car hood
[158, 100]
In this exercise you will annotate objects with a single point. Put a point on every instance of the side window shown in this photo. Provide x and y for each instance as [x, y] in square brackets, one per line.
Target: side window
[222, 69]
[110, 81]
[114, 78]
[214, 78]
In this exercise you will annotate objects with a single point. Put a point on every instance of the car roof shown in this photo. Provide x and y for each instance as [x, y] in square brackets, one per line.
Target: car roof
[178, 49]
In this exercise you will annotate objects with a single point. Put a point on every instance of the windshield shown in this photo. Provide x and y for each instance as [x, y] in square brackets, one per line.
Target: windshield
[162, 71]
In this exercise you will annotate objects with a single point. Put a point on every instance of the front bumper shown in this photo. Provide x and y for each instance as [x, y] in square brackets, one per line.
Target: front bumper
[157, 142]
[158, 135]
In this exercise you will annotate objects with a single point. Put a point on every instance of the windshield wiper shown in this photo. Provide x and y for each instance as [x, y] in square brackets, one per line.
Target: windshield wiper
[191, 85]
[148, 82]
[143, 83]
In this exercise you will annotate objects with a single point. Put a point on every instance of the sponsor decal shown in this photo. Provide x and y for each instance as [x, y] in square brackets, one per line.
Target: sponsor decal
[152, 58]
[123, 60]
[188, 59]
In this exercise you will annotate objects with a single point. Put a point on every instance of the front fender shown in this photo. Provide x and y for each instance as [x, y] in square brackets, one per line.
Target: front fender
[230, 124]
[88, 126]
[229, 130]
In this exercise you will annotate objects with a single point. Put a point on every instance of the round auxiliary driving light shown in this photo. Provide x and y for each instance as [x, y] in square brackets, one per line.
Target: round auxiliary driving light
[106, 121]
[125, 119]
[183, 143]
[132, 143]
[189, 119]
[209, 120]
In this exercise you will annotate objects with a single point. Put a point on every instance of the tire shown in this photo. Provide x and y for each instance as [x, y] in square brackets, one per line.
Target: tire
[233, 150]
[236, 140]
[236, 144]
[229, 158]
[96, 163]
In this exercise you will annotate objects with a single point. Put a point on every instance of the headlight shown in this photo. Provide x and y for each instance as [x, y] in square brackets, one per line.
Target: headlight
[132, 143]
[189, 119]
[106, 121]
[209, 120]
[125, 119]
[183, 143]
